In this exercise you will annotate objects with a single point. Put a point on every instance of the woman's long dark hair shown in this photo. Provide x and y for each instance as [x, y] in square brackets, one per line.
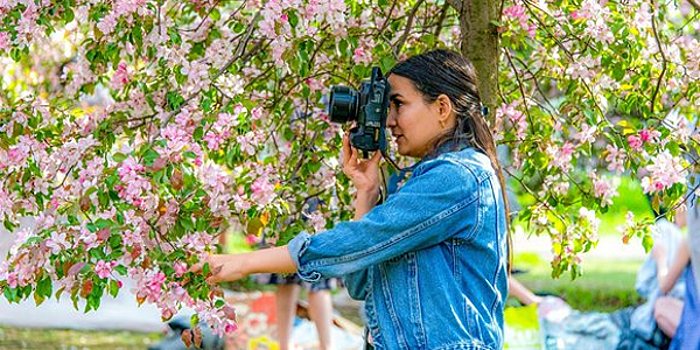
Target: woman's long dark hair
[447, 72]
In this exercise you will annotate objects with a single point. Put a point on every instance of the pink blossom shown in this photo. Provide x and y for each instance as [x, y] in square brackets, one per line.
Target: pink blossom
[604, 189]
[560, 157]
[518, 13]
[587, 134]
[252, 240]
[263, 191]
[634, 141]
[616, 159]
[134, 183]
[4, 40]
[120, 77]
[317, 220]
[131, 238]
[104, 269]
[57, 242]
[180, 268]
[515, 116]
[7, 201]
[362, 56]
[87, 238]
[107, 24]
[647, 135]
[664, 170]
[218, 319]
[12, 279]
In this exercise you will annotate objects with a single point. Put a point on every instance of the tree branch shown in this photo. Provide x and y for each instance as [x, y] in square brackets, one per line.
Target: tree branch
[457, 4]
[441, 20]
[407, 30]
[663, 62]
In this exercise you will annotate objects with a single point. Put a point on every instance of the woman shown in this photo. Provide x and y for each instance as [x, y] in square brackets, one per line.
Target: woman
[430, 262]
[678, 319]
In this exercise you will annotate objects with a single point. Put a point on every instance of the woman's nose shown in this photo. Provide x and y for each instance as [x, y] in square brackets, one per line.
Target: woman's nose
[390, 120]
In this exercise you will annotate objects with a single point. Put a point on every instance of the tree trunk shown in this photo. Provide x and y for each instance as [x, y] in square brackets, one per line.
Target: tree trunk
[480, 45]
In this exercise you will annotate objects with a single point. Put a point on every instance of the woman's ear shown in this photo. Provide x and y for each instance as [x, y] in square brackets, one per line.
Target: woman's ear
[446, 111]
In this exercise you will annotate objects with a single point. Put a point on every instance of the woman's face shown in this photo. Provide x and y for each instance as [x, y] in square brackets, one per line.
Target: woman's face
[414, 124]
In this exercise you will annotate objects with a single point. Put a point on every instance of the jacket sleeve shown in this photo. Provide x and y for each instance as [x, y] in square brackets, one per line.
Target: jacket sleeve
[436, 203]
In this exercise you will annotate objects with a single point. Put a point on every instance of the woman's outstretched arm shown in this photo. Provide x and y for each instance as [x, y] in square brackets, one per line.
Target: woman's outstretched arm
[231, 267]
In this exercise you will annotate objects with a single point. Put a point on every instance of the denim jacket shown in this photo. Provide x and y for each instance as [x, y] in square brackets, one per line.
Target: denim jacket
[430, 262]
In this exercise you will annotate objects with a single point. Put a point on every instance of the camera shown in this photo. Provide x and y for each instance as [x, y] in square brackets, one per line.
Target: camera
[368, 107]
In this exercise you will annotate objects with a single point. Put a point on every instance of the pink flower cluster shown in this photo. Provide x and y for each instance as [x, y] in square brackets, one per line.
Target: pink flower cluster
[605, 189]
[104, 268]
[616, 159]
[133, 183]
[363, 52]
[4, 40]
[515, 116]
[587, 134]
[645, 135]
[518, 13]
[120, 77]
[583, 68]
[665, 170]
[217, 183]
[561, 157]
[221, 130]
[222, 320]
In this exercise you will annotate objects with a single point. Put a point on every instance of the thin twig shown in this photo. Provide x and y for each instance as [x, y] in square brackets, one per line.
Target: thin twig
[407, 30]
[663, 57]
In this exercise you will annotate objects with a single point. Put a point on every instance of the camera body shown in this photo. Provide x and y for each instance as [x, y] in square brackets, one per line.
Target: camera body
[368, 107]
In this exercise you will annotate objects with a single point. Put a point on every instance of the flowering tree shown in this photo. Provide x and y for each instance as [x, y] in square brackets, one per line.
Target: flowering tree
[136, 131]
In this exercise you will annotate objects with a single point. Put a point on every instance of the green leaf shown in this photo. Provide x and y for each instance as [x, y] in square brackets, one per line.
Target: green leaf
[647, 242]
[215, 15]
[113, 288]
[118, 157]
[187, 223]
[174, 100]
[293, 18]
[198, 134]
[43, 288]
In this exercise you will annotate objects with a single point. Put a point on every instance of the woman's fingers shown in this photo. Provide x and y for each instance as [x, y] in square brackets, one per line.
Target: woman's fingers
[347, 150]
[376, 157]
[214, 267]
[353, 157]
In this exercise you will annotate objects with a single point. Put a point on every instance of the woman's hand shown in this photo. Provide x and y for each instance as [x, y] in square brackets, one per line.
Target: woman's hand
[231, 267]
[364, 173]
[224, 267]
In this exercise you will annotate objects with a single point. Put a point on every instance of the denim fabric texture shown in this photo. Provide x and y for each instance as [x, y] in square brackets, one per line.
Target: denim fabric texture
[430, 262]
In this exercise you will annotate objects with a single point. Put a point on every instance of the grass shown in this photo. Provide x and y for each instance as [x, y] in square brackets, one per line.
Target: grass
[606, 285]
[29, 338]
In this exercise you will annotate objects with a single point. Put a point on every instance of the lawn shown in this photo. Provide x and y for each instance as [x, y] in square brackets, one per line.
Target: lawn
[606, 285]
[26, 338]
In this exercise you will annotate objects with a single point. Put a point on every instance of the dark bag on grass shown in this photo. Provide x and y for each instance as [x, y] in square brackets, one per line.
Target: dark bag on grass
[173, 340]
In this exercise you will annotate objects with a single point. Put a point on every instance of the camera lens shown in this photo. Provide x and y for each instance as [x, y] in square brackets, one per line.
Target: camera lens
[343, 104]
